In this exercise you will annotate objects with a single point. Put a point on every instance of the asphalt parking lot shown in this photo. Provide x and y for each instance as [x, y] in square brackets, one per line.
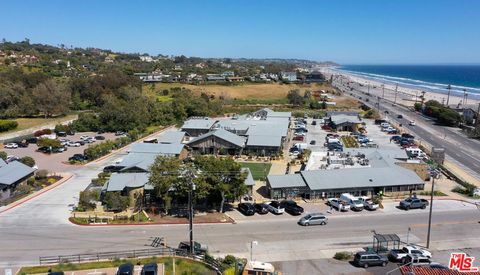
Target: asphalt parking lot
[56, 162]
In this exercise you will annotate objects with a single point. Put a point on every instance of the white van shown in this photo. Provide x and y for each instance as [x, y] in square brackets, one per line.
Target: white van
[354, 202]
[415, 152]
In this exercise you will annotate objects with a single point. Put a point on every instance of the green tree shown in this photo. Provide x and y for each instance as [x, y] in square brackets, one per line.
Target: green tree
[418, 106]
[51, 98]
[29, 161]
[295, 98]
[223, 175]
[164, 173]
[47, 142]
[115, 201]
[87, 199]
[3, 155]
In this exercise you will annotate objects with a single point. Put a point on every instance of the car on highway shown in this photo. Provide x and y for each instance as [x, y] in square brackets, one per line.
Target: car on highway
[338, 204]
[11, 145]
[149, 269]
[246, 208]
[400, 116]
[366, 259]
[291, 207]
[413, 203]
[412, 123]
[125, 269]
[313, 219]
[275, 208]
[261, 208]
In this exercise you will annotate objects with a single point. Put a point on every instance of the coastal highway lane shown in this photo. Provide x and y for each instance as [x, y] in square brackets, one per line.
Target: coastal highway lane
[460, 149]
[279, 240]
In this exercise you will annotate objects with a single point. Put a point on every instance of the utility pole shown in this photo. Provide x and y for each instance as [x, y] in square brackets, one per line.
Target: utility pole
[189, 177]
[449, 88]
[396, 90]
[378, 104]
[434, 175]
[383, 90]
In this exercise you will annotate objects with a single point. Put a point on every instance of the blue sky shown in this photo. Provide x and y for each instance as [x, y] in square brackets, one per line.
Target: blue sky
[344, 31]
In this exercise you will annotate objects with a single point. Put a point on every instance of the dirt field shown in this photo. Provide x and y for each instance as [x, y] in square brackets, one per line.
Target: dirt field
[242, 91]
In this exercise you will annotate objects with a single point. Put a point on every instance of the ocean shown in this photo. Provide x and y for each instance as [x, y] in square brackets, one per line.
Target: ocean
[433, 78]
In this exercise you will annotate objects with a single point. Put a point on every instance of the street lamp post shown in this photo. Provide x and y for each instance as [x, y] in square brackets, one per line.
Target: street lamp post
[251, 249]
[190, 207]
[434, 175]
[383, 90]
[396, 90]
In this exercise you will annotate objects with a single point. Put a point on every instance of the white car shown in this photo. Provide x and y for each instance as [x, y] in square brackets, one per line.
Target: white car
[73, 144]
[84, 137]
[275, 208]
[368, 203]
[413, 250]
[11, 146]
[338, 204]
[411, 123]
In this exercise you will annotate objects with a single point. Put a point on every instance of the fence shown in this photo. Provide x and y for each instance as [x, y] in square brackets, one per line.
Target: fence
[130, 254]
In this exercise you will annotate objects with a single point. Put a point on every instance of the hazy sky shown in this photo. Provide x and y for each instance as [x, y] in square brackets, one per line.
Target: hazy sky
[348, 32]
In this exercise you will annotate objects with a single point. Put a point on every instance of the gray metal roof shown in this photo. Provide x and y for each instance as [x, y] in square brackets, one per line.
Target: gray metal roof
[249, 180]
[222, 134]
[2, 162]
[339, 119]
[172, 136]
[199, 123]
[156, 148]
[140, 160]
[285, 181]
[264, 140]
[280, 114]
[118, 181]
[360, 177]
[13, 172]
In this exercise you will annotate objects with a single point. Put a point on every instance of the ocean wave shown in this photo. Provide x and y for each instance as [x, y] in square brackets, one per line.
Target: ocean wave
[415, 82]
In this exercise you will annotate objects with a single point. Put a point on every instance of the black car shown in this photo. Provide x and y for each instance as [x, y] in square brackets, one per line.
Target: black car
[291, 207]
[99, 137]
[247, 209]
[396, 138]
[405, 135]
[261, 208]
[56, 273]
[399, 116]
[125, 269]
[313, 142]
[82, 142]
[23, 144]
[31, 140]
[62, 134]
[150, 269]
[314, 122]
[198, 247]
[77, 157]
[45, 149]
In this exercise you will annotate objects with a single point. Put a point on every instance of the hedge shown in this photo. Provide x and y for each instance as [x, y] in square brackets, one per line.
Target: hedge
[7, 125]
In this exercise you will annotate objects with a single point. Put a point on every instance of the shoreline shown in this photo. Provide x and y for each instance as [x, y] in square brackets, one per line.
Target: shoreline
[409, 94]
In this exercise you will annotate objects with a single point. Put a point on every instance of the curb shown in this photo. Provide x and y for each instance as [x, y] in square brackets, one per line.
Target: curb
[38, 193]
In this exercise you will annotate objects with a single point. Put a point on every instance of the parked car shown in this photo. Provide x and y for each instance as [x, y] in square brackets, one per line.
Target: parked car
[73, 144]
[32, 140]
[125, 269]
[412, 203]
[78, 157]
[399, 255]
[119, 133]
[56, 273]
[84, 137]
[299, 138]
[11, 145]
[261, 208]
[45, 149]
[150, 269]
[99, 137]
[354, 202]
[246, 209]
[313, 142]
[61, 134]
[12, 158]
[59, 149]
[314, 122]
[338, 204]
[313, 219]
[416, 260]
[366, 259]
[198, 247]
[368, 203]
[275, 208]
[291, 207]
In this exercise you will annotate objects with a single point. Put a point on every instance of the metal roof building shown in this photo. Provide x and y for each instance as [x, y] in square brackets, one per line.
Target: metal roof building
[220, 134]
[171, 137]
[14, 172]
[156, 149]
[120, 181]
[135, 162]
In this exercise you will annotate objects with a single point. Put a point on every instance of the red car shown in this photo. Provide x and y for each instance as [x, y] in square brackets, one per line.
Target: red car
[300, 138]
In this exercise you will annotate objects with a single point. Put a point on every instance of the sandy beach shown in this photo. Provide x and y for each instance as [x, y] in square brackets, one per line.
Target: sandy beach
[405, 95]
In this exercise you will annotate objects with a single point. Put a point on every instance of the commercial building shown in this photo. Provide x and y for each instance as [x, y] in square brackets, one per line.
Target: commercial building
[364, 172]
[195, 127]
[11, 175]
[344, 121]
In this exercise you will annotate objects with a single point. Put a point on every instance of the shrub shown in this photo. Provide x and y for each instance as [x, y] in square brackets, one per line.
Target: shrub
[46, 142]
[31, 181]
[343, 256]
[3, 155]
[7, 125]
[229, 260]
[41, 174]
[42, 132]
[29, 161]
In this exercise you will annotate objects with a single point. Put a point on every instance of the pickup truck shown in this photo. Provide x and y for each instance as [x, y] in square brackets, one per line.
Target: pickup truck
[412, 203]
[400, 254]
[338, 204]
[368, 203]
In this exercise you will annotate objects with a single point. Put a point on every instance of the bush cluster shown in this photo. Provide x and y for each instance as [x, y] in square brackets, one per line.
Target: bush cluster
[7, 125]
[102, 149]
[43, 132]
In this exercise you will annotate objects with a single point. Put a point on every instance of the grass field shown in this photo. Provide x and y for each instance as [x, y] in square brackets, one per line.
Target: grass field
[259, 169]
[270, 91]
[182, 266]
[25, 123]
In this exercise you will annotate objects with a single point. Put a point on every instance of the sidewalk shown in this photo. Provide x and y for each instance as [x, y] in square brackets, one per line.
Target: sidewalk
[65, 177]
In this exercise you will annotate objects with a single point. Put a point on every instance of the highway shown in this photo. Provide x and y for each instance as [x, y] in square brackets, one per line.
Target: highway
[460, 149]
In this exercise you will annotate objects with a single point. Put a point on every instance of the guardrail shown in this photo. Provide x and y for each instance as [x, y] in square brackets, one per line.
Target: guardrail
[130, 254]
